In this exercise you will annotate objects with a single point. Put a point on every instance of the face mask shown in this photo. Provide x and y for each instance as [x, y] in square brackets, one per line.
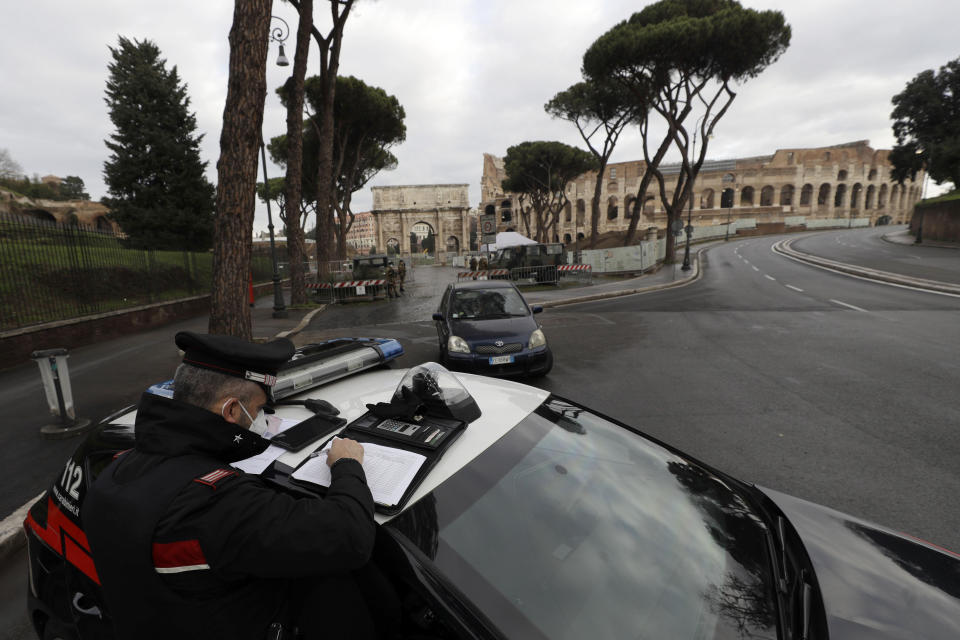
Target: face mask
[258, 425]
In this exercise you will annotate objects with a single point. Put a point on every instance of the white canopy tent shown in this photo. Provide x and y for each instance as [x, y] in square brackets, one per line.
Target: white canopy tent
[507, 239]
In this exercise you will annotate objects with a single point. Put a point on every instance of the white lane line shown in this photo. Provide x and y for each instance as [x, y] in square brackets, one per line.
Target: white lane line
[745, 261]
[754, 268]
[769, 277]
[790, 286]
[855, 308]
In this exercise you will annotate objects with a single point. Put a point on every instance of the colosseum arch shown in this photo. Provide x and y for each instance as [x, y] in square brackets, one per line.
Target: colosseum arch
[786, 195]
[766, 196]
[872, 175]
[868, 201]
[628, 208]
[490, 210]
[746, 196]
[806, 195]
[567, 212]
[506, 211]
[855, 196]
[706, 199]
[841, 193]
[581, 211]
[823, 196]
[613, 210]
[841, 175]
[567, 239]
[882, 197]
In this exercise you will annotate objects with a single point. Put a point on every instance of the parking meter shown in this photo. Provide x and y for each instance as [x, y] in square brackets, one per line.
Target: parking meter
[56, 387]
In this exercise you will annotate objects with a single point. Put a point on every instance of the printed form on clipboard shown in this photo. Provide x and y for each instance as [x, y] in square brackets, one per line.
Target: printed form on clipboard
[389, 471]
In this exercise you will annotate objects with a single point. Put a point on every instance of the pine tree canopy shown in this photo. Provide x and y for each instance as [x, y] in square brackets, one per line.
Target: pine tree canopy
[158, 192]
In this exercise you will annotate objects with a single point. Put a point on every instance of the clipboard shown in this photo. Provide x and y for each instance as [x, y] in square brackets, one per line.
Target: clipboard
[431, 439]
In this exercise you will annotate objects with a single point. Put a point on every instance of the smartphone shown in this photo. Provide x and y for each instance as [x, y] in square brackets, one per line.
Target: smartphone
[310, 430]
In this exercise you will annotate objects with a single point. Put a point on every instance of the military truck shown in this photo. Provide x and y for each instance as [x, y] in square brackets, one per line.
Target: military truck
[529, 255]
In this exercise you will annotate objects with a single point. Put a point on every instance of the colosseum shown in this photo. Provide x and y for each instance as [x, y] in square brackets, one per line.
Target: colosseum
[840, 182]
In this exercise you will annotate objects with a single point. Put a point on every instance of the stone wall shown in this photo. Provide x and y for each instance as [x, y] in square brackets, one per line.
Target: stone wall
[941, 221]
[16, 346]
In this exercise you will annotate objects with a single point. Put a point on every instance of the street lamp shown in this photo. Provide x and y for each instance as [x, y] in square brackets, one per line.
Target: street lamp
[689, 229]
[277, 34]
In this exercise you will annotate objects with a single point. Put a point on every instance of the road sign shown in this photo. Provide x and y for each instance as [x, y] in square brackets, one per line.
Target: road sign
[488, 225]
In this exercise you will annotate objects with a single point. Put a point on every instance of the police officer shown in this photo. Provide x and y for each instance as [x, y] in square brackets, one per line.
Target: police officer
[402, 273]
[186, 546]
[482, 265]
[473, 263]
[391, 281]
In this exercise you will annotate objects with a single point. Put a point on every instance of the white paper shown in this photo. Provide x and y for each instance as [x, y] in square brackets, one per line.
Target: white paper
[389, 471]
[258, 464]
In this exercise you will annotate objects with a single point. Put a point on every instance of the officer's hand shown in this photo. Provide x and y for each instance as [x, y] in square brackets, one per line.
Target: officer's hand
[344, 448]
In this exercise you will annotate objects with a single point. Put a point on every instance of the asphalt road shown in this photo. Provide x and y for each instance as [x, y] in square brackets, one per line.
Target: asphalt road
[867, 248]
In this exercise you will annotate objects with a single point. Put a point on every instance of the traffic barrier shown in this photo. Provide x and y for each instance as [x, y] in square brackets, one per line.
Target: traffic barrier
[580, 272]
[489, 274]
[350, 290]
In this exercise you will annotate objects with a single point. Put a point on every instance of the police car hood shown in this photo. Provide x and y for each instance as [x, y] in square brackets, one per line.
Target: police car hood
[876, 583]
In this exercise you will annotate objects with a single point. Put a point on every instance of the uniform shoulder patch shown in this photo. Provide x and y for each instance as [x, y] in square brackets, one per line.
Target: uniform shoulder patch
[216, 477]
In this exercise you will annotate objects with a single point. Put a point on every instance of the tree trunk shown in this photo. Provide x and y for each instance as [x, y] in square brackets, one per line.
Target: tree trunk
[237, 168]
[294, 181]
[595, 208]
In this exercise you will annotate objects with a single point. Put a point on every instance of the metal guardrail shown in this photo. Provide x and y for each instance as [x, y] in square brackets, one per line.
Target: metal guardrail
[545, 274]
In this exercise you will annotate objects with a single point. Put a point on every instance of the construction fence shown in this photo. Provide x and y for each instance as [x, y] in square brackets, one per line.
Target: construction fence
[51, 271]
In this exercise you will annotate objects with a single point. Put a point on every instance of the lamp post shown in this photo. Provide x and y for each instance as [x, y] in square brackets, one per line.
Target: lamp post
[277, 34]
[689, 229]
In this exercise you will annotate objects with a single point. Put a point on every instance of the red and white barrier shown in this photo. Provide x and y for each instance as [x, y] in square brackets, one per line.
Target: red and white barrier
[575, 267]
[480, 274]
[347, 284]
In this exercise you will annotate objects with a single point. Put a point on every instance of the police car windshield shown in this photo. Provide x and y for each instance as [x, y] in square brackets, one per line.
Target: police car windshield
[478, 304]
[571, 527]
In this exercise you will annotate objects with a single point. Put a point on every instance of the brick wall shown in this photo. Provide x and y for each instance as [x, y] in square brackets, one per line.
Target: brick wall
[941, 221]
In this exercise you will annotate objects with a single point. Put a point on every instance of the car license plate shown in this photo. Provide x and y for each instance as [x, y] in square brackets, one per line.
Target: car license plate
[501, 359]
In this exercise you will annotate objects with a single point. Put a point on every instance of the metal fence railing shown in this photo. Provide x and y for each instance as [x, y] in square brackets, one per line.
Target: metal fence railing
[545, 274]
[51, 271]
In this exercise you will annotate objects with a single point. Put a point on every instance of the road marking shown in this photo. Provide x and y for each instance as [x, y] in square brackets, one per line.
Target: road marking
[745, 261]
[790, 286]
[855, 308]
[769, 277]
[754, 268]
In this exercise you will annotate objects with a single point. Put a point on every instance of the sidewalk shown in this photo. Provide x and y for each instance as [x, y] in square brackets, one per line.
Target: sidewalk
[905, 237]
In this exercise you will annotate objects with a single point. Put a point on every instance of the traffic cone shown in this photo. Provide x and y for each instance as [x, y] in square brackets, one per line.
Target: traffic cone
[251, 289]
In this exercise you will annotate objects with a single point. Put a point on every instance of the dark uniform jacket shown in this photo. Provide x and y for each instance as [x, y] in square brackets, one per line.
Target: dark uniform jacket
[188, 547]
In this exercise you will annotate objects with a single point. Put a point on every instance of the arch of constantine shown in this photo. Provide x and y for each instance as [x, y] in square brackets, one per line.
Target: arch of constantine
[405, 215]
[840, 182]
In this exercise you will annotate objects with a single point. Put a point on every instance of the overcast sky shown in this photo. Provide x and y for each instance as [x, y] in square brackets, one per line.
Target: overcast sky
[472, 75]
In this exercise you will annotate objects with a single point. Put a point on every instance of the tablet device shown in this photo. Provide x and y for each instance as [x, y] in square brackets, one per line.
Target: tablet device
[310, 430]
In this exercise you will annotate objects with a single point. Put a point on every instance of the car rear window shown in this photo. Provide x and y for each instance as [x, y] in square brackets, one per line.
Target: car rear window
[572, 526]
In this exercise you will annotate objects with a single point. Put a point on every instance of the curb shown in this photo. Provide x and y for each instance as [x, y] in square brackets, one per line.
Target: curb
[783, 248]
[12, 536]
[303, 323]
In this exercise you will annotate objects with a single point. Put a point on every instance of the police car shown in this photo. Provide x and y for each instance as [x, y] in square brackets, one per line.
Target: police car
[546, 519]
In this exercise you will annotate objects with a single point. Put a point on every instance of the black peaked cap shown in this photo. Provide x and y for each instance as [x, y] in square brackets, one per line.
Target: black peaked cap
[234, 356]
